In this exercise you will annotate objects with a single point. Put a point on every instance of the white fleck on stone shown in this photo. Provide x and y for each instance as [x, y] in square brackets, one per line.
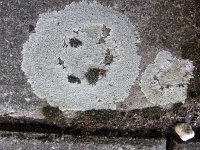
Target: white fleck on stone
[49, 58]
[27, 99]
[184, 131]
[166, 80]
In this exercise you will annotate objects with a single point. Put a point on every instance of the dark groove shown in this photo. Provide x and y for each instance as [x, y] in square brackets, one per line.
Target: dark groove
[169, 142]
[40, 126]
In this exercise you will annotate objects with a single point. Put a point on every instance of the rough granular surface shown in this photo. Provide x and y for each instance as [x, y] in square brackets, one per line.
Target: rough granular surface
[166, 80]
[67, 44]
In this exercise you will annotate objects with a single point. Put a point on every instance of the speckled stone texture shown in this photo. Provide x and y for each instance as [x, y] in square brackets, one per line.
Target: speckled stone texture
[162, 25]
[51, 142]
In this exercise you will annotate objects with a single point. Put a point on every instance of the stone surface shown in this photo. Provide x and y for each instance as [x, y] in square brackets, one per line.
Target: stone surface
[47, 63]
[154, 20]
[30, 141]
[163, 25]
[187, 146]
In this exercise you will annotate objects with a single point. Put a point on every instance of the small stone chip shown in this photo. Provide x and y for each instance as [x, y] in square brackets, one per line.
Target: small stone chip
[184, 131]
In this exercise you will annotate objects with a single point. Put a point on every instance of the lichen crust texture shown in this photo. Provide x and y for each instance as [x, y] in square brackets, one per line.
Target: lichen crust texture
[166, 80]
[69, 42]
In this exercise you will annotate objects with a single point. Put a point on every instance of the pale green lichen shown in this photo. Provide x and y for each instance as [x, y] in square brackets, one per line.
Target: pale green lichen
[166, 80]
[65, 45]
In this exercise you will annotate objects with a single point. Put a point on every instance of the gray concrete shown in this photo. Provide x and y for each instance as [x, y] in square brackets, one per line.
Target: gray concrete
[187, 146]
[161, 25]
[51, 142]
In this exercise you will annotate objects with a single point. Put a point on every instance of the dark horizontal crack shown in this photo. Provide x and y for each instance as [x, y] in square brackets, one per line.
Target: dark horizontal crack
[98, 123]
[40, 126]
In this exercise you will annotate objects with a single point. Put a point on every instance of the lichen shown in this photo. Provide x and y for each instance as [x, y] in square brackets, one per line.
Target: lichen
[62, 47]
[166, 80]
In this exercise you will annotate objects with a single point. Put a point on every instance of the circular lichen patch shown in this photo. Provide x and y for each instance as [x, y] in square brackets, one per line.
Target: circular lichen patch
[83, 57]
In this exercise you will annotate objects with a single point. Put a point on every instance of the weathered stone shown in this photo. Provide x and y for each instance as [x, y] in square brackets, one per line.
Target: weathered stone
[10, 141]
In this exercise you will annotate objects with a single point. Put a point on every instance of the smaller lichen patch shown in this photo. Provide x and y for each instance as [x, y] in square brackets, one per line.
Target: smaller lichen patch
[74, 79]
[92, 75]
[166, 80]
[74, 42]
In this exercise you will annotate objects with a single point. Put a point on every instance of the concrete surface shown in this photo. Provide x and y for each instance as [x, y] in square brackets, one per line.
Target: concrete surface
[52, 142]
[161, 25]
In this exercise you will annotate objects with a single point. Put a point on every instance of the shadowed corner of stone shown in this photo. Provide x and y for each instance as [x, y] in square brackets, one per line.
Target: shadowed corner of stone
[54, 115]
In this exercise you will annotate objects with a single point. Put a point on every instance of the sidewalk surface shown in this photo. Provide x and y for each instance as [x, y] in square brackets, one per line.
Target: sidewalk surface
[142, 72]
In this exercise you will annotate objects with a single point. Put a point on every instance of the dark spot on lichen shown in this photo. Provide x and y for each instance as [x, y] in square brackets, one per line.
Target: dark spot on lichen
[31, 28]
[92, 75]
[75, 31]
[61, 62]
[101, 40]
[74, 42]
[106, 31]
[108, 58]
[65, 44]
[73, 79]
[53, 115]
[103, 72]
